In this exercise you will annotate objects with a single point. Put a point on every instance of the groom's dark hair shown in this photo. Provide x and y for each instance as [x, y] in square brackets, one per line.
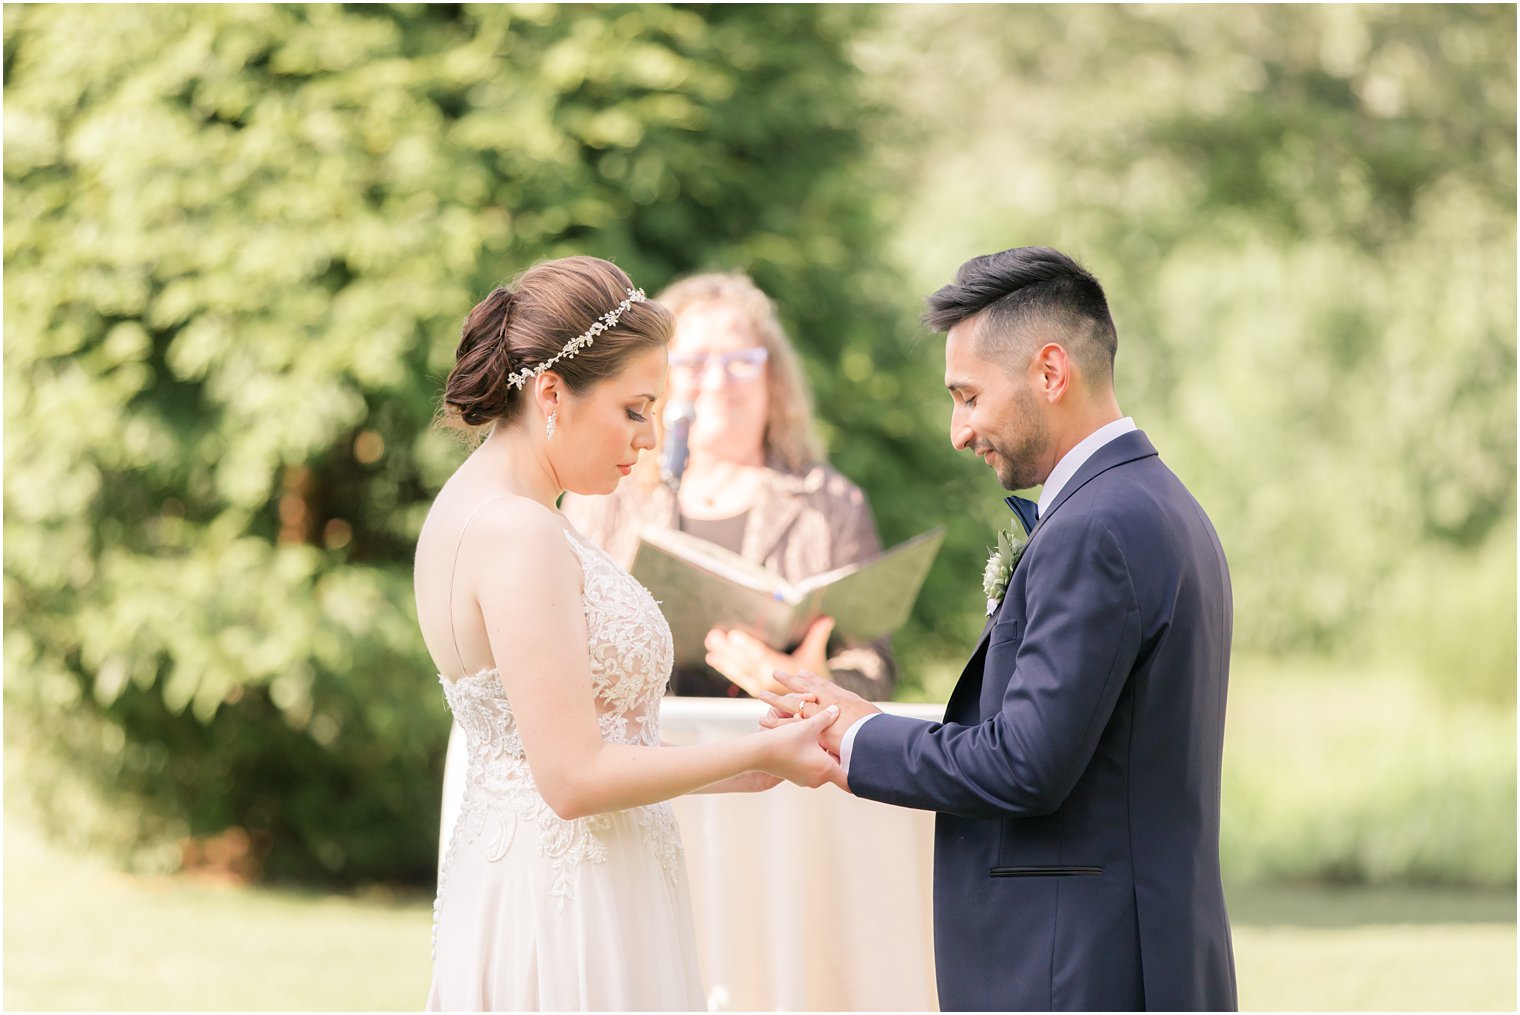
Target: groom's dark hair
[1025, 287]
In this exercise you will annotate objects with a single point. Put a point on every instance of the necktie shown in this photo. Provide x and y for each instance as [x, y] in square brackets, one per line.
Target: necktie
[1027, 510]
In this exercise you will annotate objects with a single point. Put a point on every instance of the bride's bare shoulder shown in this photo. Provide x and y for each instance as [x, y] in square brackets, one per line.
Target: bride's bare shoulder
[517, 533]
[492, 526]
[521, 515]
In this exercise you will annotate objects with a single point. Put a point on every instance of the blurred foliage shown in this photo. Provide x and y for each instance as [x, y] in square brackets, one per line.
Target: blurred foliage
[1341, 774]
[239, 242]
[1451, 622]
[1305, 220]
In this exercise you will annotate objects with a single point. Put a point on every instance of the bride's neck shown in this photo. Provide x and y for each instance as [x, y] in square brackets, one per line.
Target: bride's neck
[511, 453]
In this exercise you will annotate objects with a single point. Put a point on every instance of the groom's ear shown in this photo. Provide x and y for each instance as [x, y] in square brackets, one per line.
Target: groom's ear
[1052, 370]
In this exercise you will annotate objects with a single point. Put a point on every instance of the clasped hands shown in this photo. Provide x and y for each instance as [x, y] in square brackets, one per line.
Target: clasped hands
[807, 696]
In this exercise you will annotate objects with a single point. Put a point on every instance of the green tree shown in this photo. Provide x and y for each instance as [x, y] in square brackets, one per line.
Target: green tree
[239, 244]
[1305, 220]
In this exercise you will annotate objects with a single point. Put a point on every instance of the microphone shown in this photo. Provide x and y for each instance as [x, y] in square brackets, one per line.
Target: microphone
[674, 452]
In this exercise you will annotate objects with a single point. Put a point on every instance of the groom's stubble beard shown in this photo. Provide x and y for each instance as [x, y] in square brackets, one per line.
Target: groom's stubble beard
[1020, 453]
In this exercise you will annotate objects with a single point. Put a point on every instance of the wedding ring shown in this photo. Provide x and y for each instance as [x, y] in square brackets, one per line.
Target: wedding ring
[800, 706]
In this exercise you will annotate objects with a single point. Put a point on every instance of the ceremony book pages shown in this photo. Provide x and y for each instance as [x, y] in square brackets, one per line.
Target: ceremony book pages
[701, 586]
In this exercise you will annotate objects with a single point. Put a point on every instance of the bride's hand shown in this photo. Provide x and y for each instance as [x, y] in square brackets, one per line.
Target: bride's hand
[792, 751]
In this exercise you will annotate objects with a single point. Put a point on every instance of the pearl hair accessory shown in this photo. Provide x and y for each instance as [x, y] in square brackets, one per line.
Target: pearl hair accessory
[605, 323]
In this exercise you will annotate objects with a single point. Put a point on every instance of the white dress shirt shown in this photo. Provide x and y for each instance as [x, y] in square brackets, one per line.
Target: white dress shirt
[1054, 483]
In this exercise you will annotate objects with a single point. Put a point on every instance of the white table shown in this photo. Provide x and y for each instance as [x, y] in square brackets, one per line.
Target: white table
[805, 900]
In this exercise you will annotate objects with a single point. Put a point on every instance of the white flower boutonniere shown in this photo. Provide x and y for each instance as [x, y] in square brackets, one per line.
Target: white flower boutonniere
[1000, 563]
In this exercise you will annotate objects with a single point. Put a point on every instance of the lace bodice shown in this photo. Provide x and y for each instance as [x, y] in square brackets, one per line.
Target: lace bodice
[631, 657]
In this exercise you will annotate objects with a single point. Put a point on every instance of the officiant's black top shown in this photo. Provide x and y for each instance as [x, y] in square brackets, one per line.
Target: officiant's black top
[725, 532]
[728, 533]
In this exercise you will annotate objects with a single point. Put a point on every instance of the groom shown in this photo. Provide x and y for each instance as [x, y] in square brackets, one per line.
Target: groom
[1076, 774]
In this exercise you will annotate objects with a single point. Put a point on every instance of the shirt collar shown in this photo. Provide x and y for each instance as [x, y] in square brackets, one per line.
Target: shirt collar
[1077, 456]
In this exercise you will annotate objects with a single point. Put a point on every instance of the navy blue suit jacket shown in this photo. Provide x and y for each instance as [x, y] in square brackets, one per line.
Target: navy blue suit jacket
[1076, 774]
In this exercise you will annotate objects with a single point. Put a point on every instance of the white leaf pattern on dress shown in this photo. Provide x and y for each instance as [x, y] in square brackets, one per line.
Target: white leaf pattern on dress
[631, 658]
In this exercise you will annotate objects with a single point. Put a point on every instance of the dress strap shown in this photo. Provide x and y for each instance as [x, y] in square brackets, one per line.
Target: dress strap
[455, 567]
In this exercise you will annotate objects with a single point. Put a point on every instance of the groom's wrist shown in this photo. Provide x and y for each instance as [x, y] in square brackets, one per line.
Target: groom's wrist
[847, 745]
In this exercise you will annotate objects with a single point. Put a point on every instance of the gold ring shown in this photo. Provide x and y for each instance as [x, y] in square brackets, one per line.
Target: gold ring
[800, 706]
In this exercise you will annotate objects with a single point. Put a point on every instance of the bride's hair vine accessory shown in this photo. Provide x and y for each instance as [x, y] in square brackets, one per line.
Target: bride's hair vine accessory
[606, 322]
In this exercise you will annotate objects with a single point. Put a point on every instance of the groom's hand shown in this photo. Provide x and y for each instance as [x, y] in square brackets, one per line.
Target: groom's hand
[852, 707]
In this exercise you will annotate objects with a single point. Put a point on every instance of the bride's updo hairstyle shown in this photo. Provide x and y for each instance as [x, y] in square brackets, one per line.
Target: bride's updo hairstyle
[531, 320]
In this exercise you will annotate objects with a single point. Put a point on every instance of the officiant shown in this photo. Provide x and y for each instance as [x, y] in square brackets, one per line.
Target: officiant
[740, 466]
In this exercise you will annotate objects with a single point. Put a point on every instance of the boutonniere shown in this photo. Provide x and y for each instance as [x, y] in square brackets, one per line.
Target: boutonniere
[1001, 561]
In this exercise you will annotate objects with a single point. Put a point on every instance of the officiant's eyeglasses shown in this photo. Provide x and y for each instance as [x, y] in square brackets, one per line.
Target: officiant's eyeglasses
[742, 366]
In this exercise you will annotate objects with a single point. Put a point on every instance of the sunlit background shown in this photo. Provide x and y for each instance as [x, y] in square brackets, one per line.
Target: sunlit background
[239, 242]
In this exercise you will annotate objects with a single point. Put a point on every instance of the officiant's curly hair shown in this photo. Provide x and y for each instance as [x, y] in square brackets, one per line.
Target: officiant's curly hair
[1028, 286]
[531, 319]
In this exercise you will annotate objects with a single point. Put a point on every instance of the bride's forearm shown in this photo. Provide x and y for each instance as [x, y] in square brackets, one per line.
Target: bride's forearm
[744, 782]
[619, 776]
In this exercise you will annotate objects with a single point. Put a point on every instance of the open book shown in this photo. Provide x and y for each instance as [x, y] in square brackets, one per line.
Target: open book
[701, 586]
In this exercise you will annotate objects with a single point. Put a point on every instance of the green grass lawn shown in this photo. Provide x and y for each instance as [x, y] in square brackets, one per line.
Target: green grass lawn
[1374, 949]
[80, 936]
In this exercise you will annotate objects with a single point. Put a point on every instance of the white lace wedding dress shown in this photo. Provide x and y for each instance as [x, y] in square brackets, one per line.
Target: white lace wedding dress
[538, 913]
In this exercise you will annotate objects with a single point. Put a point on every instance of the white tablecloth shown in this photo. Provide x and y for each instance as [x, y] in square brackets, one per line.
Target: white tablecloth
[805, 900]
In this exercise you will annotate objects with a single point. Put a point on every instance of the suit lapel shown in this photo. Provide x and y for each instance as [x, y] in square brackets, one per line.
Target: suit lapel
[970, 681]
[1125, 448]
[969, 687]
[1121, 450]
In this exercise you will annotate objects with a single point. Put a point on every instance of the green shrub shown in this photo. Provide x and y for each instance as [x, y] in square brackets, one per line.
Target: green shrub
[1450, 617]
[239, 245]
[1356, 775]
[1305, 224]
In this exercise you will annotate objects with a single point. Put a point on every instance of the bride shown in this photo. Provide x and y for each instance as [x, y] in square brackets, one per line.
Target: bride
[563, 884]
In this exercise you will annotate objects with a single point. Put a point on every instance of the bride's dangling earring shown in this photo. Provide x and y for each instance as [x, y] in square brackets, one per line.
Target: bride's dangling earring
[549, 425]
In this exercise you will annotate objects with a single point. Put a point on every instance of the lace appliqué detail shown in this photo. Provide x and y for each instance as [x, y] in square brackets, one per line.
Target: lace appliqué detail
[631, 658]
